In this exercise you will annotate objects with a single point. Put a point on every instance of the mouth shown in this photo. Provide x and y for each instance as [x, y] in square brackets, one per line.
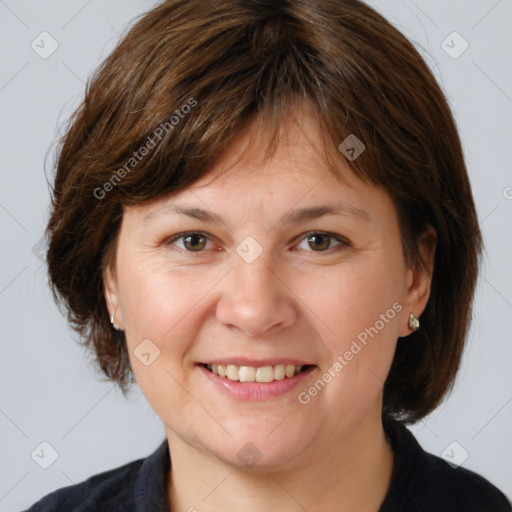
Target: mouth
[260, 374]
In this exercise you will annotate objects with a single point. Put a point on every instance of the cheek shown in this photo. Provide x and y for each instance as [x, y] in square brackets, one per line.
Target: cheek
[359, 308]
[166, 305]
[354, 298]
[153, 297]
[159, 304]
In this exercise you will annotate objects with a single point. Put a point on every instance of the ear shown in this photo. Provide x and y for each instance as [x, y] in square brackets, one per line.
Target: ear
[111, 294]
[419, 279]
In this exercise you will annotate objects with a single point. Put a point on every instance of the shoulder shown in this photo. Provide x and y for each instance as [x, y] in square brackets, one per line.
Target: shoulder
[426, 483]
[113, 490]
[461, 488]
[109, 486]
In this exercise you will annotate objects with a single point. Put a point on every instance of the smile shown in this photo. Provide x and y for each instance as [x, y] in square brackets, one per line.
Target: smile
[262, 374]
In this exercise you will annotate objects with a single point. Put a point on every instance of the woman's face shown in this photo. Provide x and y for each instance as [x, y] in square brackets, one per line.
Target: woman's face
[261, 280]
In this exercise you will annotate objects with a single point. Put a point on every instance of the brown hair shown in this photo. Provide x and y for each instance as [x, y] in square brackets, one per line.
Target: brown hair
[235, 61]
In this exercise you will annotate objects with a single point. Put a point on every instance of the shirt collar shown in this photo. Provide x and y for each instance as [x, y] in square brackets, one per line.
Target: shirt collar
[151, 485]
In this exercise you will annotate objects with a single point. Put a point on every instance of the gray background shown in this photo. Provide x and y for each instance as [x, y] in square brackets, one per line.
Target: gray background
[48, 392]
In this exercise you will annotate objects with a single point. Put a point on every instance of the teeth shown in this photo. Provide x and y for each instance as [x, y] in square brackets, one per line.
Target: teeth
[289, 370]
[251, 374]
[247, 374]
[232, 372]
[265, 374]
[279, 372]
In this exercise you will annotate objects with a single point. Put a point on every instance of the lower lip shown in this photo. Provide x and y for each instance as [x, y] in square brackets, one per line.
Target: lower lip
[256, 390]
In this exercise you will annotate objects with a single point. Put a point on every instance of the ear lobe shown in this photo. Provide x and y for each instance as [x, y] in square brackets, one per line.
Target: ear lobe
[420, 276]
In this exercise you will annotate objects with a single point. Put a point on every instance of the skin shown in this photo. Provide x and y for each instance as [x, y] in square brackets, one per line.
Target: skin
[295, 301]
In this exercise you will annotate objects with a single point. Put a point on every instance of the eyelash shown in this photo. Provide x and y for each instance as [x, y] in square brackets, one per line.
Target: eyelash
[343, 242]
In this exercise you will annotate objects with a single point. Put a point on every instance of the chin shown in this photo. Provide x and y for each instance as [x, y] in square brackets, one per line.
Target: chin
[257, 451]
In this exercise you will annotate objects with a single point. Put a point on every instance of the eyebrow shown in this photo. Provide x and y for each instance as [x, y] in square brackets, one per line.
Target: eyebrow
[294, 216]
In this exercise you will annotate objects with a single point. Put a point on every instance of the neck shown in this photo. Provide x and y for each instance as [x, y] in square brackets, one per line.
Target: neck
[349, 474]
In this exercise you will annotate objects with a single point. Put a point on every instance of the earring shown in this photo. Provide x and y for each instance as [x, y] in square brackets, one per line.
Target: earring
[116, 327]
[414, 322]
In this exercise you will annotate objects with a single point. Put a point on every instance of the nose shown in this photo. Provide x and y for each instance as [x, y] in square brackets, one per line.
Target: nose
[256, 300]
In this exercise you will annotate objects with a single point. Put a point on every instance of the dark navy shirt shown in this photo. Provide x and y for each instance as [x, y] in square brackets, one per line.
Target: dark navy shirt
[421, 482]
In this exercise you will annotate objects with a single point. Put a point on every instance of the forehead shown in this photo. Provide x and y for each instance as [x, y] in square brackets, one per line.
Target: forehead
[248, 180]
[278, 160]
[294, 147]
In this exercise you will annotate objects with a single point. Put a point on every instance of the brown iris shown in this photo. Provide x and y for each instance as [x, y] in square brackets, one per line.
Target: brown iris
[322, 240]
[194, 242]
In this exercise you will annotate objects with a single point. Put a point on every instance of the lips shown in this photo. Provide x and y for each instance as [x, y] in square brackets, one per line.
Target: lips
[247, 390]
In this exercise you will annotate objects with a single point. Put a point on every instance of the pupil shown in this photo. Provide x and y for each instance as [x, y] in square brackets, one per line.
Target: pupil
[194, 245]
[324, 238]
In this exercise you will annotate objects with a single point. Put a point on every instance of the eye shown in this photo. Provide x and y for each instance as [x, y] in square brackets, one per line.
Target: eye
[320, 241]
[193, 241]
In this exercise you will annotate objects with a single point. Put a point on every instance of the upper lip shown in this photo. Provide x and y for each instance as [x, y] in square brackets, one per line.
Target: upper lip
[258, 363]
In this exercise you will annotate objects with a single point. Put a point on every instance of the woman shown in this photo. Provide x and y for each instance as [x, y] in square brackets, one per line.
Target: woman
[262, 216]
